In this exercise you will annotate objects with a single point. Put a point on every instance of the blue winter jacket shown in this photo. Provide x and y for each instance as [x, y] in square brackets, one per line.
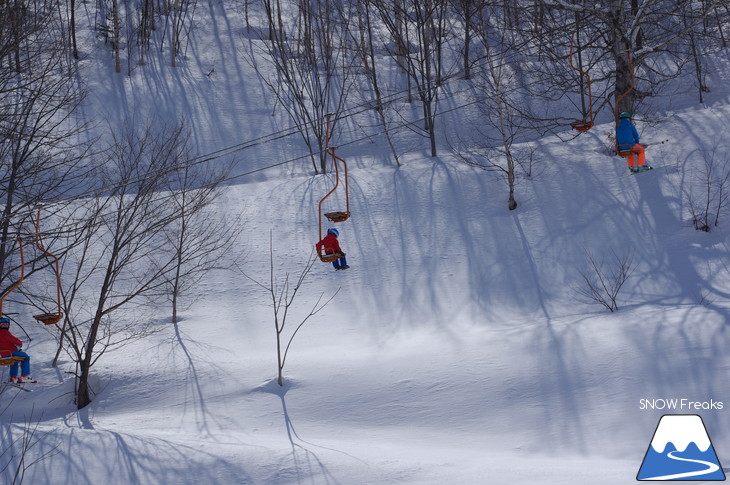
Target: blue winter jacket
[626, 134]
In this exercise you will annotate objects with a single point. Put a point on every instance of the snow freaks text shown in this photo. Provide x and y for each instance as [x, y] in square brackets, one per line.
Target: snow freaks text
[680, 404]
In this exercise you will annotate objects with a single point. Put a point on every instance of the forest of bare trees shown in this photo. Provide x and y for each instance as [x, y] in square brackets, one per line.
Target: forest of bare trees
[137, 191]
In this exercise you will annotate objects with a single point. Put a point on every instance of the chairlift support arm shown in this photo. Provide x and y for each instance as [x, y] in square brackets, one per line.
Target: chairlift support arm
[22, 276]
[49, 318]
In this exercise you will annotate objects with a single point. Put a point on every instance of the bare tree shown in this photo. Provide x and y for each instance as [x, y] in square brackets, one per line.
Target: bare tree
[147, 25]
[502, 120]
[708, 191]
[282, 294]
[116, 36]
[16, 456]
[702, 40]
[602, 281]
[306, 45]
[631, 33]
[123, 254]
[468, 11]
[180, 14]
[419, 30]
[42, 152]
[364, 41]
[201, 239]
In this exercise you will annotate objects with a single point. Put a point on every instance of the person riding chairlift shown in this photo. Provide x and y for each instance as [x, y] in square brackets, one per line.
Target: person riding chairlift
[10, 345]
[627, 139]
[332, 246]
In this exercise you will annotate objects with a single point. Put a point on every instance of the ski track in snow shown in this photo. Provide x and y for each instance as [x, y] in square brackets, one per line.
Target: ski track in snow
[711, 467]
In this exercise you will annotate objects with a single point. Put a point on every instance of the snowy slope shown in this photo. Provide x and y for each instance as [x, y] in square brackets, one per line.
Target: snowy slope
[456, 351]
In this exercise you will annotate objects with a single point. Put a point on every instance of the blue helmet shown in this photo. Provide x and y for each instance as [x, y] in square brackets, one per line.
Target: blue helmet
[4, 322]
[624, 115]
[333, 231]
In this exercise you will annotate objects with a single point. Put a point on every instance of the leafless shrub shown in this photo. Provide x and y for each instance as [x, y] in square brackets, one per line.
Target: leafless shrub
[602, 281]
[708, 191]
[15, 456]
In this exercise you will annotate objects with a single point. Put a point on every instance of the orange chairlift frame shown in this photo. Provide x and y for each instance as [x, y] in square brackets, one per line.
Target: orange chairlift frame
[625, 153]
[49, 318]
[10, 360]
[337, 216]
[582, 125]
[22, 276]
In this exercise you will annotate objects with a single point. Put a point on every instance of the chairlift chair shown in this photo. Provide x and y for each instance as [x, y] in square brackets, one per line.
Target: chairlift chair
[334, 216]
[10, 360]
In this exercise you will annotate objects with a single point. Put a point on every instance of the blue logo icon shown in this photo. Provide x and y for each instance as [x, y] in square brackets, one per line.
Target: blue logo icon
[681, 450]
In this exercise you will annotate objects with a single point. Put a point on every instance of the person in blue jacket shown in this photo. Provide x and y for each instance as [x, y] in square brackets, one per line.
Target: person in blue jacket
[627, 139]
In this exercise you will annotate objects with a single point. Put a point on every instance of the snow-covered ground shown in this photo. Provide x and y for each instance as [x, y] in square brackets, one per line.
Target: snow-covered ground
[457, 350]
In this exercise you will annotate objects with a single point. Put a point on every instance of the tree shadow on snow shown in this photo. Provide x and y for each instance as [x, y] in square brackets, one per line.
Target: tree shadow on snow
[124, 459]
[303, 464]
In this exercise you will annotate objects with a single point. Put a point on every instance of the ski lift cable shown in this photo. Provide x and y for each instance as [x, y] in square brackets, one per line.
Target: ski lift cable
[277, 135]
[350, 112]
[293, 130]
[351, 142]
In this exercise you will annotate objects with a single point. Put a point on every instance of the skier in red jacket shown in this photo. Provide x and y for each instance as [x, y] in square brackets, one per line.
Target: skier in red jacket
[331, 245]
[12, 345]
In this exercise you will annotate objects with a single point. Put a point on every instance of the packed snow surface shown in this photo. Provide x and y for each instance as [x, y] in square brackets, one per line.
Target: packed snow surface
[457, 349]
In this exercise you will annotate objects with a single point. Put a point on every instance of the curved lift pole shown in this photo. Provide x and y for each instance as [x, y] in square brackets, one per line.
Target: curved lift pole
[17, 283]
[337, 216]
[582, 125]
[48, 318]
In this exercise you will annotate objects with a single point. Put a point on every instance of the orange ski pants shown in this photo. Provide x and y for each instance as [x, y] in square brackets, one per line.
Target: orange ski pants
[641, 156]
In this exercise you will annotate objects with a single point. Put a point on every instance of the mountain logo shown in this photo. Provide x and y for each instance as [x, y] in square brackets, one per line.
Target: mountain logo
[681, 450]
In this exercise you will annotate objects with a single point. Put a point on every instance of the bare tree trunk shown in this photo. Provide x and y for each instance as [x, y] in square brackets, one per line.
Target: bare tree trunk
[83, 391]
[117, 36]
[72, 22]
[17, 17]
[511, 201]
[283, 295]
[133, 216]
[621, 50]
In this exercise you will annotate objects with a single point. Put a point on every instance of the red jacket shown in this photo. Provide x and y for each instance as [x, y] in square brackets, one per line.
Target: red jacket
[330, 244]
[9, 343]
